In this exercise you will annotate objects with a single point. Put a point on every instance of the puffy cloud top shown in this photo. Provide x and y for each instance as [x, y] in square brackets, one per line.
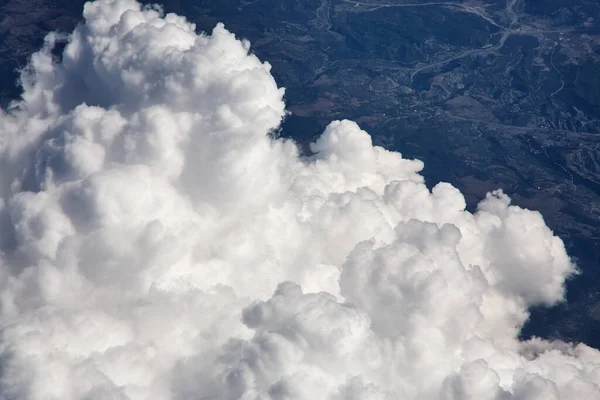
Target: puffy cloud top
[157, 242]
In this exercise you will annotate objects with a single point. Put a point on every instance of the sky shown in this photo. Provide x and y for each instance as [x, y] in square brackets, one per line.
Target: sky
[157, 240]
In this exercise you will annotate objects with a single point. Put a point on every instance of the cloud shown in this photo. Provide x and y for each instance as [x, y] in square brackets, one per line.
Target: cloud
[157, 242]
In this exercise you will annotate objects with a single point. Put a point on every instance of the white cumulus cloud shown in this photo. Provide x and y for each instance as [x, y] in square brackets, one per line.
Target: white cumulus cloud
[156, 242]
